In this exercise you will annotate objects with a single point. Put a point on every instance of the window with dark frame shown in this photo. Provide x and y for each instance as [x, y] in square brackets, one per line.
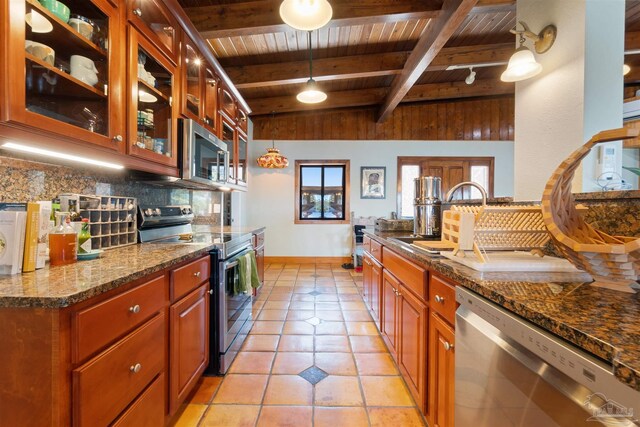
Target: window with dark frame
[322, 191]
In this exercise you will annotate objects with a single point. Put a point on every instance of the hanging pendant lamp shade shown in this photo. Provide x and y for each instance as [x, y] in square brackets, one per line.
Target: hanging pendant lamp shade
[522, 65]
[306, 15]
[272, 159]
[311, 93]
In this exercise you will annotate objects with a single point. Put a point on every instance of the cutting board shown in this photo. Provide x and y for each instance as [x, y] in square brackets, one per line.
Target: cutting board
[514, 261]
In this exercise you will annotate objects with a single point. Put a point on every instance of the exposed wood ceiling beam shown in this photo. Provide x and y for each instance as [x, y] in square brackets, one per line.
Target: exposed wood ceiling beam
[431, 42]
[261, 17]
[361, 97]
[494, 6]
[632, 40]
[360, 66]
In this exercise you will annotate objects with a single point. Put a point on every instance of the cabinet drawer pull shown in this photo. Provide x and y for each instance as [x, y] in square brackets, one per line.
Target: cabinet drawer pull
[118, 138]
[135, 309]
[447, 346]
[135, 368]
[439, 299]
[196, 274]
[137, 11]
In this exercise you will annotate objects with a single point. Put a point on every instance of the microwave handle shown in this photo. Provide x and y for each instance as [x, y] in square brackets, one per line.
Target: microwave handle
[224, 155]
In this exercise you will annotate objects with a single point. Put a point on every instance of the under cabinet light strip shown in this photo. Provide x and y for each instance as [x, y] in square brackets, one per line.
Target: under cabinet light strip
[34, 150]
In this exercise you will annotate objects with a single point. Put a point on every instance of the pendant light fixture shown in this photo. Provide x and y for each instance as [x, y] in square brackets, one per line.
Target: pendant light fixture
[306, 15]
[311, 93]
[272, 159]
[522, 64]
[471, 77]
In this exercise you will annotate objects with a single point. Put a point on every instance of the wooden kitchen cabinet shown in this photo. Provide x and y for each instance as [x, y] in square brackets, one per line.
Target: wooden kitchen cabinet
[367, 268]
[412, 354]
[188, 343]
[441, 372]
[192, 77]
[389, 323]
[153, 114]
[258, 245]
[228, 135]
[43, 94]
[154, 19]
[227, 104]
[242, 157]
[371, 285]
[211, 82]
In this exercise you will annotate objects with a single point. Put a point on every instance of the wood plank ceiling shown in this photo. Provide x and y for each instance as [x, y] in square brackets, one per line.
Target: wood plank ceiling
[373, 52]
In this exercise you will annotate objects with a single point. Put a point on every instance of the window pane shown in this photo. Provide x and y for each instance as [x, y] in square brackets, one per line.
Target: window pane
[333, 192]
[310, 204]
[409, 173]
[479, 175]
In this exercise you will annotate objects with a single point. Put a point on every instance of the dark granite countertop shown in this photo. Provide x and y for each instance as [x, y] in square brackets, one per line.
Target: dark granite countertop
[55, 287]
[603, 322]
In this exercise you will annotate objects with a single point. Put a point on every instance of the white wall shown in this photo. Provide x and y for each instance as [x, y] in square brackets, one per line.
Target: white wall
[272, 198]
[578, 93]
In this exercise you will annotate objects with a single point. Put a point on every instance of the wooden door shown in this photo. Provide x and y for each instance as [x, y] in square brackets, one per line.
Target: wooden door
[451, 172]
[188, 344]
[441, 372]
[412, 357]
[366, 279]
[390, 286]
[376, 289]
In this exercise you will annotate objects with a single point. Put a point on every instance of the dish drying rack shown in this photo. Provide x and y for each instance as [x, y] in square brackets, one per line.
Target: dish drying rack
[494, 228]
[112, 219]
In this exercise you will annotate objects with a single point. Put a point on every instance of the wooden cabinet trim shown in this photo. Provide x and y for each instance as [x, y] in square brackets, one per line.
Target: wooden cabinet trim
[188, 277]
[442, 298]
[376, 250]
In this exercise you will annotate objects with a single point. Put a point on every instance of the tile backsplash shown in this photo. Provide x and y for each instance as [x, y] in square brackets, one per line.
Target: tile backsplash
[25, 180]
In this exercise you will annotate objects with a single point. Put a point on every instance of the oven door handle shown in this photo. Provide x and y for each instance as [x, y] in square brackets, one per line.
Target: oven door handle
[230, 264]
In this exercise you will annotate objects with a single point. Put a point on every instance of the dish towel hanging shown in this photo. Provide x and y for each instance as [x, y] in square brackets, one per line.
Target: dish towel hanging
[247, 274]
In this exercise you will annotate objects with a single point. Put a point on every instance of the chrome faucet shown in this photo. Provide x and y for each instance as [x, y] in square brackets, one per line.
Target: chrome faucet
[483, 192]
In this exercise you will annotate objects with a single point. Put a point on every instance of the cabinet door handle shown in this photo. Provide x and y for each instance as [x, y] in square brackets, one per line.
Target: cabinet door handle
[135, 309]
[135, 368]
[196, 274]
[137, 11]
[447, 346]
[118, 138]
[439, 299]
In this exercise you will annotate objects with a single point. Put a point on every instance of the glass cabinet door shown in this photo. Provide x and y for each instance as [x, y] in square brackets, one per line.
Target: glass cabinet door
[228, 137]
[242, 158]
[154, 20]
[152, 120]
[210, 99]
[192, 78]
[64, 70]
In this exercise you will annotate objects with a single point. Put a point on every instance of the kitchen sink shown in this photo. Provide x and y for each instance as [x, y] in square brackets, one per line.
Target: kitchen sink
[411, 239]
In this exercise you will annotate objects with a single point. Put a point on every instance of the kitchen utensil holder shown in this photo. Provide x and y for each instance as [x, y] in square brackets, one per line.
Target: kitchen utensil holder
[112, 223]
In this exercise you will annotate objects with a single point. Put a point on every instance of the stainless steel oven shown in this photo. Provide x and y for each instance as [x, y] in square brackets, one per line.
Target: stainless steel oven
[204, 157]
[510, 373]
[231, 313]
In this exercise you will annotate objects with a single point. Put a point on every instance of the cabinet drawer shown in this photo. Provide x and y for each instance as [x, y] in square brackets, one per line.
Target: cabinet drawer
[442, 298]
[412, 276]
[366, 243]
[103, 323]
[108, 383]
[188, 277]
[376, 250]
[147, 410]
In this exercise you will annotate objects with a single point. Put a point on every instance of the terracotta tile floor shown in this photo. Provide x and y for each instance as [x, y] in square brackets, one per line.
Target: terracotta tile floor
[309, 319]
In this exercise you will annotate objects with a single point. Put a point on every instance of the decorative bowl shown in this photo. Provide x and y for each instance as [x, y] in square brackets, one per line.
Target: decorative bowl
[57, 8]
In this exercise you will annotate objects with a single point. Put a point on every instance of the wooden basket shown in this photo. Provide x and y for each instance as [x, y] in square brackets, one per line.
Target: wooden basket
[613, 261]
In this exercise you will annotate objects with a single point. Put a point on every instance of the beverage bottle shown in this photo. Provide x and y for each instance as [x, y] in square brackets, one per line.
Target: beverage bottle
[84, 238]
[63, 241]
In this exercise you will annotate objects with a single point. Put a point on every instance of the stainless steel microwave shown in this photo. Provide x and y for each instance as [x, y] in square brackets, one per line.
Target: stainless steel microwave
[204, 157]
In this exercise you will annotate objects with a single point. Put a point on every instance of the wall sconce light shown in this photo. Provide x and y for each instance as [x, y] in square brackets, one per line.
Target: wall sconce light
[471, 77]
[522, 64]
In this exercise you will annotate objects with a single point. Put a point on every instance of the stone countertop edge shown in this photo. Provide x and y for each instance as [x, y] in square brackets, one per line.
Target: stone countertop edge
[624, 356]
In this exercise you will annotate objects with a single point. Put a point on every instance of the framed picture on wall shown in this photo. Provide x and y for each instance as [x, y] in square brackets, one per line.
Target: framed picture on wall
[372, 179]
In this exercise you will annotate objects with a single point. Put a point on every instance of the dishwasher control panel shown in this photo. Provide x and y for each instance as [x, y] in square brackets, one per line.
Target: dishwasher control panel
[573, 362]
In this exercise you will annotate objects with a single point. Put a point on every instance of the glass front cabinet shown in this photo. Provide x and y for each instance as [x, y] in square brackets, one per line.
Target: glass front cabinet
[211, 99]
[192, 80]
[153, 19]
[65, 74]
[153, 113]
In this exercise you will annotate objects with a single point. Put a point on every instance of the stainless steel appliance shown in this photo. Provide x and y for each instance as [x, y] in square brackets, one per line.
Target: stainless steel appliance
[427, 206]
[230, 316]
[510, 373]
[204, 158]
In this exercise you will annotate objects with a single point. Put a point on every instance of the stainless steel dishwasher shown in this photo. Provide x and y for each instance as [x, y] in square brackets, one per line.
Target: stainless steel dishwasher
[510, 373]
